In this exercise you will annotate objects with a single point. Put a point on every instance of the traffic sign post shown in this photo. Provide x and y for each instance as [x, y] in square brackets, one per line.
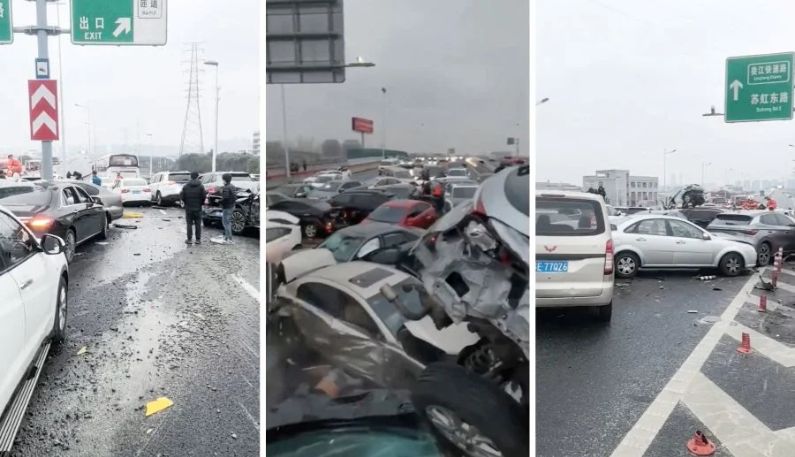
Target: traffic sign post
[43, 99]
[119, 22]
[759, 88]
[6, 25]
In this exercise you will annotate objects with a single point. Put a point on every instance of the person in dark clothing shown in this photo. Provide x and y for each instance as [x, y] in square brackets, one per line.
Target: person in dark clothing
[303, 162]
[228, 199]
[192, 196]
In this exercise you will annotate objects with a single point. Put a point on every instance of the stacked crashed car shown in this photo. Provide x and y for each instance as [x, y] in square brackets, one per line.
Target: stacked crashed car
[450, 321]
[245, 215]
[60, 209]
[34, 281]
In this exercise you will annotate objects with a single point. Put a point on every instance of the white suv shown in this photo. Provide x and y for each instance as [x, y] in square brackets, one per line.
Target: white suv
[574, 252]
[166, 186]
[33, 304]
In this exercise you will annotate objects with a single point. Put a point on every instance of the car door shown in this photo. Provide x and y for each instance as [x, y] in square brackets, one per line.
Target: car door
[70, 207]
[691, 247]
[426, 216]
[787, 227]
[13, 359]
[333, 325]
[95, 213]
[778, 235]
[37, 288]
[650, 236]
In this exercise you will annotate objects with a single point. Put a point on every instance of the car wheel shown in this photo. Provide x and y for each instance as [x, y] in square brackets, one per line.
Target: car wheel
[103, 235]
[763, 257]
[731, 264]
[159, 199]
[310, 230]
[470, 413]
[238, 222]
[604, 313]
[70, 244]
[206, 223]
[58, 333]
[627, 265]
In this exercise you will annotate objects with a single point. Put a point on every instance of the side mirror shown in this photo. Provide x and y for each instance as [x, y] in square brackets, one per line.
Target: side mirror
[52, 245]
[300, 194]
[707, 237]
[97, 200]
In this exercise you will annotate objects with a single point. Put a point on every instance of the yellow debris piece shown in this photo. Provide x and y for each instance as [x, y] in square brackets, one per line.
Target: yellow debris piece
[128, 215]
[154, 407]
[82, 350]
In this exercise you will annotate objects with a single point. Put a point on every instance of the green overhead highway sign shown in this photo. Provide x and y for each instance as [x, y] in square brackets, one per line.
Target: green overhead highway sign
[759, 88]
[119, 22]
[6, 27]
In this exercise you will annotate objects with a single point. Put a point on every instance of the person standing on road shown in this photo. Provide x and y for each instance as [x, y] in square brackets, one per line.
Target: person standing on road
[192, 196]
[14, 166]
[96, 180]
[303, 162]
[771, 203]
[228, 199]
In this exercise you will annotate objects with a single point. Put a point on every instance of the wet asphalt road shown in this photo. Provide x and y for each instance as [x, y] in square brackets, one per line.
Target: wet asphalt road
[595, 381]
[157, 319]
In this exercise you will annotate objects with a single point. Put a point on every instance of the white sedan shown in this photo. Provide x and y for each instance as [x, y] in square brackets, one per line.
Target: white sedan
[657, 242]
[133, 190]
[33, 304]
[282, 235]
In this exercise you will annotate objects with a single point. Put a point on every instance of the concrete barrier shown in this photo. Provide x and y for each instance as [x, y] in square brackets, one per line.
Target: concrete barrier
[279, 179]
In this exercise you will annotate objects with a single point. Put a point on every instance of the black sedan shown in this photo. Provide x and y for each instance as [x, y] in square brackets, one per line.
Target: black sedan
[315, 216]
[354, 206]
[61, 209]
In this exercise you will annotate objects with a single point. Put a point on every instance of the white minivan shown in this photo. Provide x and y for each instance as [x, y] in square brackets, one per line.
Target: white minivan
[33, 302]
[574, 252]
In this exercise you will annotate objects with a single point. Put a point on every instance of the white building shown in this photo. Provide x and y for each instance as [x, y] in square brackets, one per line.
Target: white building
[622, 189]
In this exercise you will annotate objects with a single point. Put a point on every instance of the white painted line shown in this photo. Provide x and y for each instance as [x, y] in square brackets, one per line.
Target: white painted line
[250, 417]
[763, 344]
[786, 433]
[737, 429]
[251, 290]
[637, 440]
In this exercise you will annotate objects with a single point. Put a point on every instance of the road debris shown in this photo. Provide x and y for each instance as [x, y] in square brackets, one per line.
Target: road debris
[156, 406]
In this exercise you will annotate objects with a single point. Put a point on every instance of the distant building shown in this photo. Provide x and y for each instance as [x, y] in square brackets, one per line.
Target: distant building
[622, 189]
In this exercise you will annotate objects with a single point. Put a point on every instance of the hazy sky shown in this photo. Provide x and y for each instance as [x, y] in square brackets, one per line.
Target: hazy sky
[456, 73]
[628, 79]
[125, 86]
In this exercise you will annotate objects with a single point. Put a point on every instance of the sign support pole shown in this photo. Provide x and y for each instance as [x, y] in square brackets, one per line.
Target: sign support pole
[41, 34]
[362, 139]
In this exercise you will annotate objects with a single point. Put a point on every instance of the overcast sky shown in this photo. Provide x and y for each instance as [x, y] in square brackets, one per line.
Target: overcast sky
[125, 86]
[456, 73]
[628, 79]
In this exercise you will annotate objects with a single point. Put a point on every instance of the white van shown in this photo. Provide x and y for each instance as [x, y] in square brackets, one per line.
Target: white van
[574, 252]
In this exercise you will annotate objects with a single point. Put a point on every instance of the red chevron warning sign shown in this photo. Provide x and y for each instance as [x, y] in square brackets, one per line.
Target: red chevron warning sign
[43, 97]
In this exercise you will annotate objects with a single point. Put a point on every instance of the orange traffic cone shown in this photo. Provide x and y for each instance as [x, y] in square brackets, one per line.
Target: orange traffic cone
[745, 344]
[699, 445]
[762, 304]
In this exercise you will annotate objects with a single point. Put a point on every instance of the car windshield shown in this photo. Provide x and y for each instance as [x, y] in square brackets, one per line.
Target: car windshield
[331, 186]
[324, 179]
[464, 192]
[732, 219]
[457, 172]
[568, 217]
[179, 177]
[24, 195]
[387, 213]
[343, 246]
[133, 182]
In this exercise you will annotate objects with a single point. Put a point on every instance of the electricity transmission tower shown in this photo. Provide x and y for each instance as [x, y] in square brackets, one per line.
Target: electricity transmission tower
[192, 135]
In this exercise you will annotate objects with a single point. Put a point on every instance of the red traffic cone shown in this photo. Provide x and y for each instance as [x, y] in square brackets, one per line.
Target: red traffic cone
[762, 304]
[745, 344]
[699, 445]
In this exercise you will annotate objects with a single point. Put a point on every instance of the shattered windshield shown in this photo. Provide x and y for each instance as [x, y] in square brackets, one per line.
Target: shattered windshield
[344, 247]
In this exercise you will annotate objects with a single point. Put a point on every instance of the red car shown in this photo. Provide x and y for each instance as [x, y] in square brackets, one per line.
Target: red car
[406, 213]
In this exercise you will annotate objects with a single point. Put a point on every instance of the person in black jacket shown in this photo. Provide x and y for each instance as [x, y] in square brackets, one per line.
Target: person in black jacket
[228, 199]
[192, 196]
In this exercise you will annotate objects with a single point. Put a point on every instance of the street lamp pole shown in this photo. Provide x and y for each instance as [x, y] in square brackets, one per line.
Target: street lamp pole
[665, 170]
[284, 135]
[151, 154]
[383, 135]
[214, 63]
[60, 92]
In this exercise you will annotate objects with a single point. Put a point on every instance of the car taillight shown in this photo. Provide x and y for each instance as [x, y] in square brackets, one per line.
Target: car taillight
[124, 191]
[479, 208]
[40, 223]
[609, 257]
[329, 227]
[211, 190]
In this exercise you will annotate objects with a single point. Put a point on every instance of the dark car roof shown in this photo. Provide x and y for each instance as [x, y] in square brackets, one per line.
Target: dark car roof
[319, 204]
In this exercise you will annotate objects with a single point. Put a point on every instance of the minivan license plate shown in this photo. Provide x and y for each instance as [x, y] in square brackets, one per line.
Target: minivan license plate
[558, 266]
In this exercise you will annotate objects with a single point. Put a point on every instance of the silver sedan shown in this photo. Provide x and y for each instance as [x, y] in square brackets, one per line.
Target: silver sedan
[657, 242]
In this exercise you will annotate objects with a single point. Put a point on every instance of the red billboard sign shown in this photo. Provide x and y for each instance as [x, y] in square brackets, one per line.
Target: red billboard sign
[362, 125]
[43, 98]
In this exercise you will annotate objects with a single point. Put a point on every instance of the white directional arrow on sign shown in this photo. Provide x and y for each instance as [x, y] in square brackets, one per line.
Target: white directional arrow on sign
[123, 25]
[736, 86]
[44, 119]
[42, 93]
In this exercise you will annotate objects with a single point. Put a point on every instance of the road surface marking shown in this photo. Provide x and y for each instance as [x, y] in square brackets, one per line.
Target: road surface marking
[763, 344]
[253, 291]
[637, 440]
[250, 417]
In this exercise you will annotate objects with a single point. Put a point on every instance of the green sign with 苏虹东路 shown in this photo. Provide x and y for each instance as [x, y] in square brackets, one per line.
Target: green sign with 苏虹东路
[759, 88]
[6, 26]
